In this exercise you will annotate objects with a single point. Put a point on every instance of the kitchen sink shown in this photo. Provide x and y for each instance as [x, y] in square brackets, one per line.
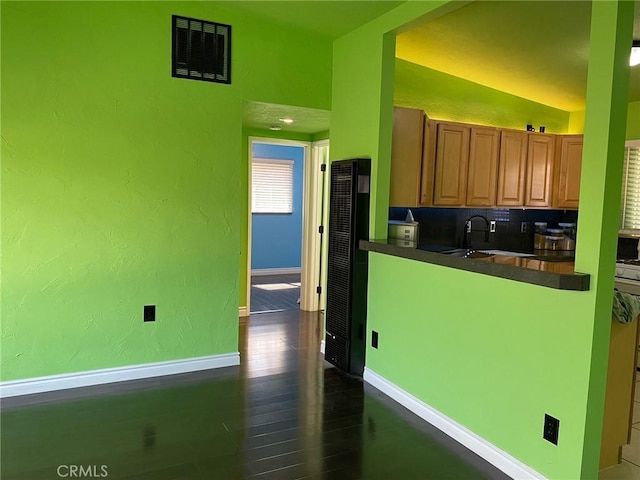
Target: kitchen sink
[465, 253]
[506, 253]
[470, 253]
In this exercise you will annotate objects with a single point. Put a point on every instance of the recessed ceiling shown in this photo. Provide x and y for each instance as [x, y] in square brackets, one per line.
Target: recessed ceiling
[305, 120]
[537, 50]
[326, 18]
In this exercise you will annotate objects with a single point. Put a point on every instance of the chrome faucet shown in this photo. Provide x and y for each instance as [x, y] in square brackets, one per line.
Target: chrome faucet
[466, 239]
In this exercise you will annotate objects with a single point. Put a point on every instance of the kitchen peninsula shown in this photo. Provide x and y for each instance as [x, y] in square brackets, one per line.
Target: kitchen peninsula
[533, 270]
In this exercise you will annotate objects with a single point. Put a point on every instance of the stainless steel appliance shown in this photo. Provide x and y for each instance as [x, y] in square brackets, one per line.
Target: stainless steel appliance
[628, 276]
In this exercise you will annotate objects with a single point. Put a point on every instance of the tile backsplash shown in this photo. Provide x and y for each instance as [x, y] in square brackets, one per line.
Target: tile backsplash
[445, 226]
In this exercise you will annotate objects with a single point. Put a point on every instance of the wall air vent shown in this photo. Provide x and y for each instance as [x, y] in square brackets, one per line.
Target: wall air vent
[201, 50]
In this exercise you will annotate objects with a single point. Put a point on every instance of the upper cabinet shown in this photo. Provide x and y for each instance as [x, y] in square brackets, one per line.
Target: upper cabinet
[452, 158]
[525, 170]
[406, 157]
[512, 170]
[482, 178]
[568, 169]
[466, 165]
[540, 155]
[428, 160]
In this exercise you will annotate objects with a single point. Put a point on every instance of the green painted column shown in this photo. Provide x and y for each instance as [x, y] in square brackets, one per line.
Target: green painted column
[605, 122]
[365, 131]
[362, 103]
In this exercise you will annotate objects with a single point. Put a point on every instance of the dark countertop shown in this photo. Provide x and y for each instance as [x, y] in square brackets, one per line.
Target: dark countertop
[552, 271]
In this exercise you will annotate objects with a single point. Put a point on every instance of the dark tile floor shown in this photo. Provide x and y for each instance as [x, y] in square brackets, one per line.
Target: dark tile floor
[284, 413]
[274, 293]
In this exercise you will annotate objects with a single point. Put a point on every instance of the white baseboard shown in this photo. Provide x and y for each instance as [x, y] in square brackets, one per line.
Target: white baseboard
[119, 374]
[492, 454]
[274, 271]
[243, 312]
[322, 347]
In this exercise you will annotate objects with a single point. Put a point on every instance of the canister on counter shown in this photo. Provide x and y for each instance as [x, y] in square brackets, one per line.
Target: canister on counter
[554, 239]
[569, 232]
[540, 229]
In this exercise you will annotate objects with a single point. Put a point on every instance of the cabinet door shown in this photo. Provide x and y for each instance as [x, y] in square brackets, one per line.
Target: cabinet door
[484, 146]
[512, 168]
[406, 157]
[540, 157]
[428, 163]
[568, 170]
[452, 156]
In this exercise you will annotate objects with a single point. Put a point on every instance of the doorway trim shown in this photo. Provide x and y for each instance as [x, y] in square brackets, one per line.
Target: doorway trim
[246, 310]
[314, 247]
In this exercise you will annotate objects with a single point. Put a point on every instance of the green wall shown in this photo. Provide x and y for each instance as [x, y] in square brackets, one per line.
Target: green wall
[491, 354]
[121, 186]
[576, 121]
[632, 131]
[316, 137]
[445, 97]
[633, 121]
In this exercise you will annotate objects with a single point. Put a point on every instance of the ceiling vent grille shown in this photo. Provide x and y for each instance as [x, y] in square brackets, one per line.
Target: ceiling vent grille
[201, 50]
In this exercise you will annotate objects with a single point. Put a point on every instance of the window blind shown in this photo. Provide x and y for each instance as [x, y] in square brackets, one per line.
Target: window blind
[631, 189]
[271, 186]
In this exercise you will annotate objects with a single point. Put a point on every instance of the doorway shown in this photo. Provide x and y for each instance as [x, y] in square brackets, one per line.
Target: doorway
[284, 241]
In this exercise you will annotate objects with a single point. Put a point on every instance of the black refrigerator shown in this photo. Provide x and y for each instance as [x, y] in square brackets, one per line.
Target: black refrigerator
[347, 269]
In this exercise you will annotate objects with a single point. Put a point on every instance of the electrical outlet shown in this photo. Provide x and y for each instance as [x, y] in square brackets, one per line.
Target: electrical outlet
[492, 226]
[374, 339]
[551, 429]
[468, 224]
[523, 227]
[149, 313]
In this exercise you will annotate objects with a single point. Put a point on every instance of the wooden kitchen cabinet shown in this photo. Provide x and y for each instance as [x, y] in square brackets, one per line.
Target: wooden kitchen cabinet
[512, 168]
[448, 164]
[568, 168]
[451, 162]
[525, 169]
[540, 156]
[482, 178]
[428, 163]
[406, 157]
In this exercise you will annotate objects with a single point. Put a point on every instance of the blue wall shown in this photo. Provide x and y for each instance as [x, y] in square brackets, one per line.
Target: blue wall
[276, 239]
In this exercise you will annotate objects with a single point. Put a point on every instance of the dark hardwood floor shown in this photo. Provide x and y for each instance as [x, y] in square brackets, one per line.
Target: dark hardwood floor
[283, 414]
[274, 293]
